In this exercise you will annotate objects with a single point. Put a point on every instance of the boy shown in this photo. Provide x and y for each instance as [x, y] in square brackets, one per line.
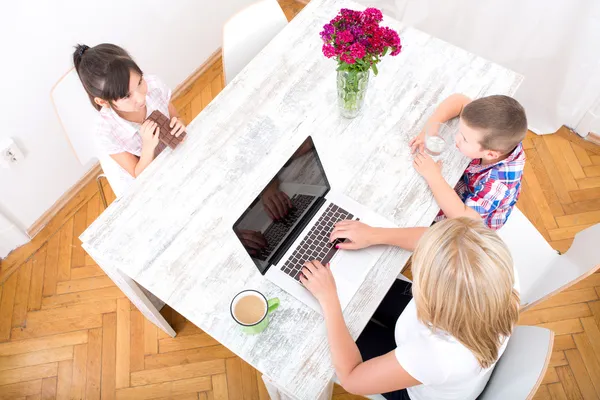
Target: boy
[490, 132]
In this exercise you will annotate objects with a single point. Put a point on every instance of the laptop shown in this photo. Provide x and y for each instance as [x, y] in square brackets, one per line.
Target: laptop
[302, 235]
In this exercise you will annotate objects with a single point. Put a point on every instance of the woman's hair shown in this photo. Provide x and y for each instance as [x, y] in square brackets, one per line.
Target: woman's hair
[463, 285]
[104, 71]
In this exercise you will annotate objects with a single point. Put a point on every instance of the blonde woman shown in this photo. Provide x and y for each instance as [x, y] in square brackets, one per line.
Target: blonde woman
[443, 341]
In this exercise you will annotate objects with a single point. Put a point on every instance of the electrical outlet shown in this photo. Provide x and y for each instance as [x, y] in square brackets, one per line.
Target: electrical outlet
[10, 154]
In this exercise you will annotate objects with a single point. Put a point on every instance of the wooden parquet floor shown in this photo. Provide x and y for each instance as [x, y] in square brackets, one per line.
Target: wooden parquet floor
[67, 332]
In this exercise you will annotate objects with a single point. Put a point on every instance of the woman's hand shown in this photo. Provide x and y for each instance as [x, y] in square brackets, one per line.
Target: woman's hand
[177, 126]
[150, 136]
[359, 235]
[318, 279]
[275, 202]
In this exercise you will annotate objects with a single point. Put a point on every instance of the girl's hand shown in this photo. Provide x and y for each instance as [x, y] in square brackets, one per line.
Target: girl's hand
[150, 136]
[426, 167]
[318, 279]
[177, 126]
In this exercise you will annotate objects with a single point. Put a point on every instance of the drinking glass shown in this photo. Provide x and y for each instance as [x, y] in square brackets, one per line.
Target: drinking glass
[438, 137]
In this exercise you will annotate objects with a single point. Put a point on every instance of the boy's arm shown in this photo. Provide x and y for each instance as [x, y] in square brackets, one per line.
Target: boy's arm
[444, 194]
[450, 108]
[448, 200]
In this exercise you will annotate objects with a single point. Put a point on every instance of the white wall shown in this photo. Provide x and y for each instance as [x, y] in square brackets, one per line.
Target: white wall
[10, 236]
[553, 44]
[590, 121]
[170, 39]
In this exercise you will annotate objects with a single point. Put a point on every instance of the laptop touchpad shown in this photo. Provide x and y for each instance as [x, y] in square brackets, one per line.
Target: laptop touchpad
[352, 265]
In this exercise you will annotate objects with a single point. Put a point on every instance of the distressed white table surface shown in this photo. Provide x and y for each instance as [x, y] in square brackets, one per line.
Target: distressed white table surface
[172, 231]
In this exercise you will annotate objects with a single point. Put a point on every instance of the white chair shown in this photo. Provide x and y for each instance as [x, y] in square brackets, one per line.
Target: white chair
[522, 367]
[542, 271]
[79, 121]
[247, 32]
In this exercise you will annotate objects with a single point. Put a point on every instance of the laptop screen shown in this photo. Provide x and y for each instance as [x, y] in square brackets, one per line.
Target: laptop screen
[276, 217]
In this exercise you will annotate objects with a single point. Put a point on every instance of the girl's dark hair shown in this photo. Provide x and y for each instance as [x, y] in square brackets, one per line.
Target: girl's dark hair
[104, 71]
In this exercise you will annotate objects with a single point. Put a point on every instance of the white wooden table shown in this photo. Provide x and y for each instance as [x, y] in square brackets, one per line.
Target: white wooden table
[172, 232]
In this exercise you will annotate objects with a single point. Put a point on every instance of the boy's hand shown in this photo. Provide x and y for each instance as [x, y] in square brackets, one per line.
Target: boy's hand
[417, 144]
[426, 167]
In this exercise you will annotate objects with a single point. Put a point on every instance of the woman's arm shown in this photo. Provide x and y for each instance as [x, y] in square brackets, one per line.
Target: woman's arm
[379, 375]
[361, 235]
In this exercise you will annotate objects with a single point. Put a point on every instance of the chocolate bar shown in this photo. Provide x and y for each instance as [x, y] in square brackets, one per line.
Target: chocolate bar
[165, 130]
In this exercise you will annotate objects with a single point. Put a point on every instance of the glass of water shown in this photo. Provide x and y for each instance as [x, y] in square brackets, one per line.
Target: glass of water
[437, 138]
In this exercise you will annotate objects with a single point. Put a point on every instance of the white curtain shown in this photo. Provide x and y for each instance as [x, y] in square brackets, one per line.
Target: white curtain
[555, 44]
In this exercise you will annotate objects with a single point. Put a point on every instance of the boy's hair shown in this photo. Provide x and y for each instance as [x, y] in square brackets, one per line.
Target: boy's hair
[463, 282]
[104, 71]
[501, 119]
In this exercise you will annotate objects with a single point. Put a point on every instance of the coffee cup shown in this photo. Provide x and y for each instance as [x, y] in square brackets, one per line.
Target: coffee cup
[251, 309]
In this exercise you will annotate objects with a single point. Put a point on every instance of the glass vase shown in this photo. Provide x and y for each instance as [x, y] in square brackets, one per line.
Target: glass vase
[351, 89]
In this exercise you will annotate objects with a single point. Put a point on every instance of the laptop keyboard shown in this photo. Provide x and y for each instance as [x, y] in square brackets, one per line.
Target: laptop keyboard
[315, 245]
[278, 230]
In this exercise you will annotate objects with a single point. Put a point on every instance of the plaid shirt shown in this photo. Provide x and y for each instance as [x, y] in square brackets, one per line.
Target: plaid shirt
[492, 190]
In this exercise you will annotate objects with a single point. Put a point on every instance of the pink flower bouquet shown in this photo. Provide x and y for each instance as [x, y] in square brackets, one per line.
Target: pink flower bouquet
[357, 42]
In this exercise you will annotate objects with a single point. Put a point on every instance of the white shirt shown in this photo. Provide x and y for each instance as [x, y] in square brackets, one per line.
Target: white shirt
[447, 369]
[116, 135]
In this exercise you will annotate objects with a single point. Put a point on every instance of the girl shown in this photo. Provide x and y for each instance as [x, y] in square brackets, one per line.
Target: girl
[125, 97]
[444, 340]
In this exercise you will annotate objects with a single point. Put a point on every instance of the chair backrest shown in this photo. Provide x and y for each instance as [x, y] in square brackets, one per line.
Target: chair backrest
[530, 251]
[248, 32]
[541, 270]
[79, 121]
[580, 261]
[76, 114]
[118, 178]
[522, 367]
